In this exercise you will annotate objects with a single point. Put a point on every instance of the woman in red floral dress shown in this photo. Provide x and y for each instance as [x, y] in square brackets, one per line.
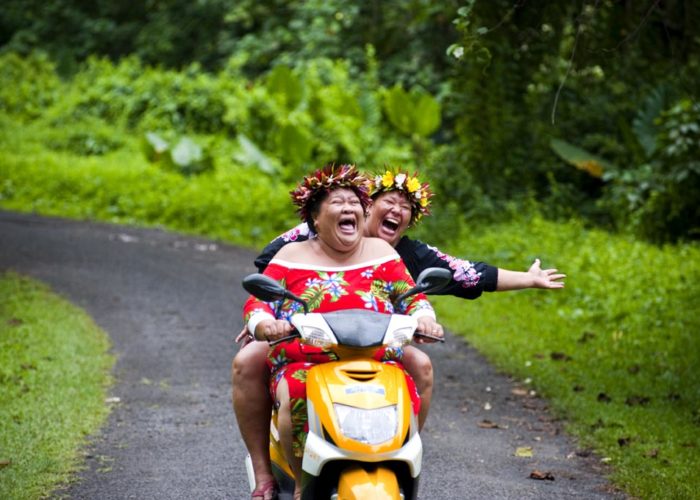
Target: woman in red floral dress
[338, 269]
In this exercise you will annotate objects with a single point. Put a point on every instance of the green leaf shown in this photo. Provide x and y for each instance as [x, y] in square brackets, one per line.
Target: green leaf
[250, 154]
[580, 158]
[186, 152]
[397, 104]
[294, 144]
[285, 86]
[426, 115]
[154, 146]
[414, 113]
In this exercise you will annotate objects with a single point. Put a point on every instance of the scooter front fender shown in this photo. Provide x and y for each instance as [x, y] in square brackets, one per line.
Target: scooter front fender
[358, 483]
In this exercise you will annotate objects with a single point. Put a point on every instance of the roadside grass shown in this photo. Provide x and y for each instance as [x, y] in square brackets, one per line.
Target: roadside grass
[120, 186]
[616, 352]
[54, 376]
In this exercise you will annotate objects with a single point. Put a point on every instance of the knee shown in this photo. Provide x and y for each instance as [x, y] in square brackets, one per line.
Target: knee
[419, 366]
[250, 361]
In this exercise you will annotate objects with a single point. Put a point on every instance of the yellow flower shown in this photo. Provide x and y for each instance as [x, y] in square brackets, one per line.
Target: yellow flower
[412, 184]
[424, 201]
[387, 179]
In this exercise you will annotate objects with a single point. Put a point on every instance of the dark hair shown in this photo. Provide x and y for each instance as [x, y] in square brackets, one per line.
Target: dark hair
[312, 208]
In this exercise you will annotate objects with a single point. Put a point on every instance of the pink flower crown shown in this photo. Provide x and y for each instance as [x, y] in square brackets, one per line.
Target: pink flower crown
[329, 178]
[393, 179]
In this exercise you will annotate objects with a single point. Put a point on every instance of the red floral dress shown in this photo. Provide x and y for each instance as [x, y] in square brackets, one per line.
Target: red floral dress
[371, 285]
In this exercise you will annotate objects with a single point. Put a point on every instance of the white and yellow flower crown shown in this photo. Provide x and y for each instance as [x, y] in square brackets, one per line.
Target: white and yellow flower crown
[417, 193]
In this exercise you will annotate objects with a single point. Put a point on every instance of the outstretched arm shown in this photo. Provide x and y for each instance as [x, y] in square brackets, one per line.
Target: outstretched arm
[535, 277]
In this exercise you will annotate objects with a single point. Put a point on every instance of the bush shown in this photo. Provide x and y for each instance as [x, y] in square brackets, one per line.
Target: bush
[28, 85]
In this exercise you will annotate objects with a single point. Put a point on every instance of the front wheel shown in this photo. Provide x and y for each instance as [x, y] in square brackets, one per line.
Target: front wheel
[359, 483]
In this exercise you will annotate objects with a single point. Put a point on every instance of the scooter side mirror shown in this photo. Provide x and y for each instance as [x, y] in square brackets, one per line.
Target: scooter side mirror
[433, 279]
[267, 289]
[430, 280]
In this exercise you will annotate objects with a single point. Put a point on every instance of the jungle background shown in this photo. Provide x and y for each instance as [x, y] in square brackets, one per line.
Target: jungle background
[567, 130]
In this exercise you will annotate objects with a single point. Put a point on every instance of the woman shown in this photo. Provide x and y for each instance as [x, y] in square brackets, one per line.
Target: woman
[338, 268]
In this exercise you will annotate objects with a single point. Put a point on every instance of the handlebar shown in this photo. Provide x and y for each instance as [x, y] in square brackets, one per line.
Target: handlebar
[282, 339]
[297, 335]
[426, 336]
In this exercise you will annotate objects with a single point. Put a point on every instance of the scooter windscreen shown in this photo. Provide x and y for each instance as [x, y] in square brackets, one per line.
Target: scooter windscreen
[357, 327]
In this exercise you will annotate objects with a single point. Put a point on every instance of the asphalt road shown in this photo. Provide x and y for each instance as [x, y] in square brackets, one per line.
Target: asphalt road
[172, 306]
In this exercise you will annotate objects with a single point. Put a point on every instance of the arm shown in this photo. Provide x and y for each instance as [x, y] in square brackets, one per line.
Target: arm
[398, 279]
[260, 317]
[469, 279]
[535, 277]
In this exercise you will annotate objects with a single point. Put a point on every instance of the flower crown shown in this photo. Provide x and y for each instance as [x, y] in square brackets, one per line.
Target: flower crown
[393, 179]
[329, 178]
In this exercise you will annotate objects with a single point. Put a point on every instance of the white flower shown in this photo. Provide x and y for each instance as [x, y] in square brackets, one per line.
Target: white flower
[400, 179]
[417, 195]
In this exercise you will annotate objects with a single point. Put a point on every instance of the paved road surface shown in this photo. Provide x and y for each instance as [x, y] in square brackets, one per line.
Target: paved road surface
[171, 305]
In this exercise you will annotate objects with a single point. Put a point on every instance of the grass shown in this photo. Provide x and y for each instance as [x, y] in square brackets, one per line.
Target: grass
[616, 352]
[120, 186]
[54, 374]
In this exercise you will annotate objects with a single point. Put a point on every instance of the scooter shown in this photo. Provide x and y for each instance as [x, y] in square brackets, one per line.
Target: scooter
[363, 440]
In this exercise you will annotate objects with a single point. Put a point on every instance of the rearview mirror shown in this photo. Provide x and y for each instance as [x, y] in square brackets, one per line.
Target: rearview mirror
[266, 289]
[430, 280]
[433, 279]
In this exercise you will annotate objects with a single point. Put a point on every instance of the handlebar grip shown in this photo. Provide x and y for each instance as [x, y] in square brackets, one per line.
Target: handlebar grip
[437, 339]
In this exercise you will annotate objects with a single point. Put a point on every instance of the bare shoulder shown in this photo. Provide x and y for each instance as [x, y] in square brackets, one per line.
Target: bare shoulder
[294, 252]
[377, 247]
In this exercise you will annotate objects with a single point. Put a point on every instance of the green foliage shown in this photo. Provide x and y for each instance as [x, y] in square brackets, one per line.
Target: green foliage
[284, 123]
[579, 158]
[184, 156]
[615, 352]
[412, 113]
[656, 197]
[121, 186]
[54, 375]
[596, 75]
[174, 33]
[27, 84]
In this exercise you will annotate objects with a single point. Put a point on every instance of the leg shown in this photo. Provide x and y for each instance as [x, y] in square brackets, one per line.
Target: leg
[252, 405]
[418, 365]
[284, 426]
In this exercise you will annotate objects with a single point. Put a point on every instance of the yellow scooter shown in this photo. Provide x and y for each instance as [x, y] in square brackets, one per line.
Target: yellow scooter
[363, 440]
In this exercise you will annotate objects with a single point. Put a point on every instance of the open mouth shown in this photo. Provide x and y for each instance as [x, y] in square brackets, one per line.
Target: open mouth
[348, 224]
[390, 224]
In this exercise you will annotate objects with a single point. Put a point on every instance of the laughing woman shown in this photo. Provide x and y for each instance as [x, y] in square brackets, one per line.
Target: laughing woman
[338, 268]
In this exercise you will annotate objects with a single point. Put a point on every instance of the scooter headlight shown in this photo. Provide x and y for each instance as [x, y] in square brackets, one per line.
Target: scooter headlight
[317, 337]
[367, 426]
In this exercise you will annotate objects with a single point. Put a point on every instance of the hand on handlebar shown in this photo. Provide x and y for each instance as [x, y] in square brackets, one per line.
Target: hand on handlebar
[273, 329]
[429, 331]
[244, 338]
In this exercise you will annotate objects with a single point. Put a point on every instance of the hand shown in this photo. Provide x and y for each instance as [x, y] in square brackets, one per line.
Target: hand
[428, 326]
[272, 329]
[244, 337]
[545, 278]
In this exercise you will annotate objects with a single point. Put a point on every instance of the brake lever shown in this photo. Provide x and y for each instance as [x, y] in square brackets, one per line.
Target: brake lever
[288, 337]
[424, 335]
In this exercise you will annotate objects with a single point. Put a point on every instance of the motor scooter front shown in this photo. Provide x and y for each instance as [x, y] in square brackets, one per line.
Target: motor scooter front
[363, 439]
